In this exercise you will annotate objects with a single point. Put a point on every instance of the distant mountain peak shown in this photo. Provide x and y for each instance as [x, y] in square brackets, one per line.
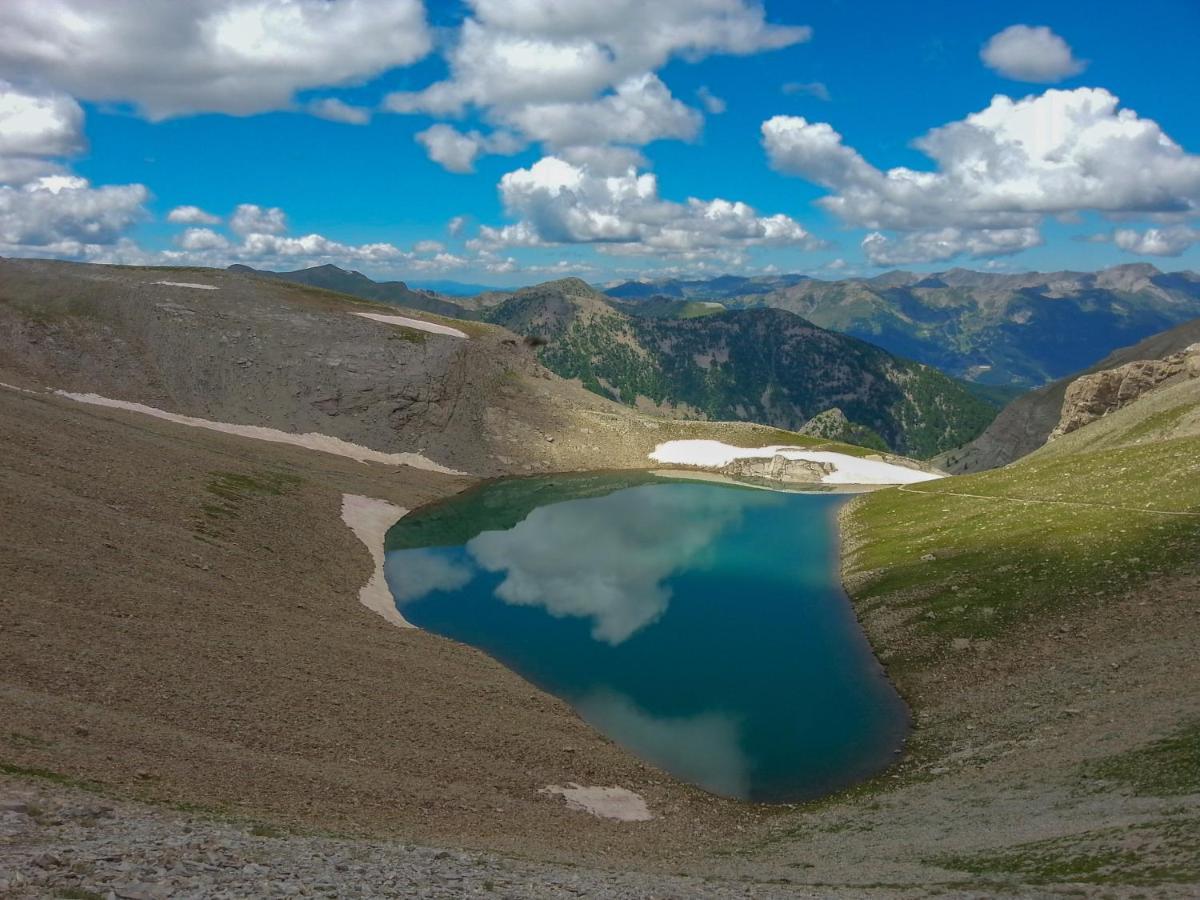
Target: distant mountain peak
[1139, 268]
[575, 287]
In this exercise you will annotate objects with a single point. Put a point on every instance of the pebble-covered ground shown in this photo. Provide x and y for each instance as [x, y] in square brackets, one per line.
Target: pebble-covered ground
[61, 842]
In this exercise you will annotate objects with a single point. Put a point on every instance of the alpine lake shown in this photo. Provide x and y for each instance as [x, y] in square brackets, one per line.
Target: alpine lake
[702, 626]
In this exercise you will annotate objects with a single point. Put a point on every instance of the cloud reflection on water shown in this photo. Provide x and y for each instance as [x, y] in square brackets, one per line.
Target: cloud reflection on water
[704, 749]
[412, 574]
[606, 559]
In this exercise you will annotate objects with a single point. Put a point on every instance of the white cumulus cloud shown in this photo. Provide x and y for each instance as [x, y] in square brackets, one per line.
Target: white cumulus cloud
[457, 151]
[574, 72]
[1170, 241]
[1025, 53]
[249, 218]
[192, 215]
[560, 202]
[997, 173]
[937, 245]
[45, 210]
[313, 247]
[202, 239]
[39, 123]
[257, 236]
[60, 210]
[639, 110]
[169, 58]
[338, 111]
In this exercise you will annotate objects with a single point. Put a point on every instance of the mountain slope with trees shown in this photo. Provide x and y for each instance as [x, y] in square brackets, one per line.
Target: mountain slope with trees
[763, 365]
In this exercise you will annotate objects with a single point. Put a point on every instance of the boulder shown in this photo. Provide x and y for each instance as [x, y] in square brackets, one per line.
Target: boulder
[779, 468]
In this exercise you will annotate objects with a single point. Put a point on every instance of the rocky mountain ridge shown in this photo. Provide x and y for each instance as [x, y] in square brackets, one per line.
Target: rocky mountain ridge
[236, 348]
[1015, 330]
[1005, 329]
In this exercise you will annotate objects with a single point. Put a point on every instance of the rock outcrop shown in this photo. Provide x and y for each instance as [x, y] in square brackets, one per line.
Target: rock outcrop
[831, 424]
[779, 468]
[1094, 396]
[1027, 423]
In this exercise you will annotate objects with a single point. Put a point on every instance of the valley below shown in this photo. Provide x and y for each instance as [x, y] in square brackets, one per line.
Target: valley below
[196, 700]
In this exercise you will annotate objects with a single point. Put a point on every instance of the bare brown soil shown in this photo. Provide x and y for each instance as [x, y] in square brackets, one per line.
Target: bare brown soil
[170, 652]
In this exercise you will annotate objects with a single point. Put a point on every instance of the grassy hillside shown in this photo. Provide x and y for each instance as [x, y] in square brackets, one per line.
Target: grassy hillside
[761, 365]
[1041, 618]
[1098, 512]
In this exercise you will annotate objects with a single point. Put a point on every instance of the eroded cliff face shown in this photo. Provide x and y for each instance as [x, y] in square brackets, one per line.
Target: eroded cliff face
[1094, 396]
[1028, 422]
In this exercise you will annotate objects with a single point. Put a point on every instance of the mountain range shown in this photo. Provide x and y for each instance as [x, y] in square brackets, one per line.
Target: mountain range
[1007, 331]
[356, 284]
[763, 365]
[785, 349]
[1001, 329]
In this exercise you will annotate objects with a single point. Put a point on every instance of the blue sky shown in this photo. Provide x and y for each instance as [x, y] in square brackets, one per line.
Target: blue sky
[582, 156]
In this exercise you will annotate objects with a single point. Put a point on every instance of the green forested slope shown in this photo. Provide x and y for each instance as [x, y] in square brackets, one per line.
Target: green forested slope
[761, 365]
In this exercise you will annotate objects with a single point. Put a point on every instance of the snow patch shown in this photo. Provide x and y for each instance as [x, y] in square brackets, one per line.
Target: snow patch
[369, 519]
[322, 443]
[606, 802]
[188, 284]
[420, 324]
[847, 469]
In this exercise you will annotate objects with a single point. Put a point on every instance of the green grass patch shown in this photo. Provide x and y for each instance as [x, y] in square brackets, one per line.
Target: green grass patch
[47, 775]
[1162, 852]
[1160, 423]
[694, 309]
[52, 310]
[975, 566]
[1164, 768]
[404, 333]
[231, 492]
[1046, 866]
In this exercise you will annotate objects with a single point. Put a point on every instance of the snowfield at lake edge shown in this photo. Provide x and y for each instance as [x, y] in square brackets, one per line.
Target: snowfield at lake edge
[847, 469]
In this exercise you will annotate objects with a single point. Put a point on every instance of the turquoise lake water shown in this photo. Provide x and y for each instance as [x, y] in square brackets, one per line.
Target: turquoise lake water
[702, 626]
